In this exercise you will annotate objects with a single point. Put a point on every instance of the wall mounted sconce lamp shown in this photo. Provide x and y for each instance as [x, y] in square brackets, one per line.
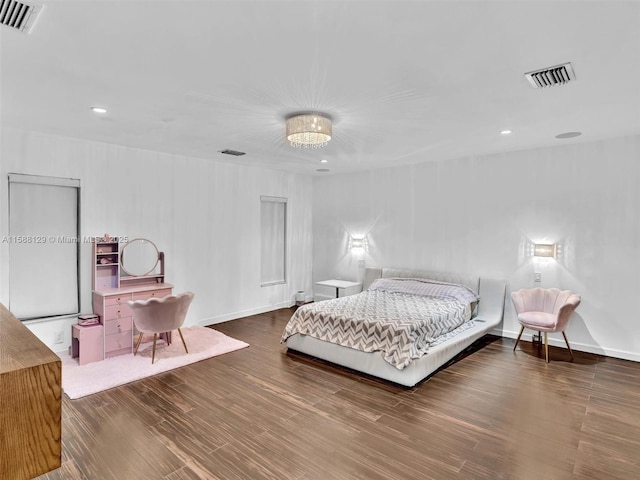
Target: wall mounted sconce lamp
[357, 243]
[544, 250]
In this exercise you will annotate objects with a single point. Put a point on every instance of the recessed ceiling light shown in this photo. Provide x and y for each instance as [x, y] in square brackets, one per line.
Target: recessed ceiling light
[568, 135]
[505, 132]
[324, 161]
[323, 170]
[98, 109]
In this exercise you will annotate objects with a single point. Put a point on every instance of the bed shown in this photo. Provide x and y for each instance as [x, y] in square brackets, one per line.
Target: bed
[306, 332]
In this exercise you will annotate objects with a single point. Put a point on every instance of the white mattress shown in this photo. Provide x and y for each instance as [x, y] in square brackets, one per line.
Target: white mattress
[490, 312]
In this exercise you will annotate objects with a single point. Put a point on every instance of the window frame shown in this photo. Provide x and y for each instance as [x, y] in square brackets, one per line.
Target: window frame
[48, 181]
[278, 200]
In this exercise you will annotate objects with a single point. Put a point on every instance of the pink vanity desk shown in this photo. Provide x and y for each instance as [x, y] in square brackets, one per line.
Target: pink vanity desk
[111, 306]
[113, 286]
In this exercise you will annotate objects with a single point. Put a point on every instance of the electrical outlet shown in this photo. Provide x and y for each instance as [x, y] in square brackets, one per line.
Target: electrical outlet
[360, 263]
[537, 277]
[58, 337]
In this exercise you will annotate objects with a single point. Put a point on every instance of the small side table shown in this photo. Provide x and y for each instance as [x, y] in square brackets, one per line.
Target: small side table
[343, 287]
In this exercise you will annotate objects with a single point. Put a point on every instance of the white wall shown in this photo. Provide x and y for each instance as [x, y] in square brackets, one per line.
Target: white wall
[480, 215]
[204, 214]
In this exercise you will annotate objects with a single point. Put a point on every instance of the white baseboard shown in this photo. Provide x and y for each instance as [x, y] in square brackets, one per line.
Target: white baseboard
[581, 347]
[243, 313]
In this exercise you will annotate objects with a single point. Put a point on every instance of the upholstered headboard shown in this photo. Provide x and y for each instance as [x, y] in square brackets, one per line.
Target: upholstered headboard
[372, 274]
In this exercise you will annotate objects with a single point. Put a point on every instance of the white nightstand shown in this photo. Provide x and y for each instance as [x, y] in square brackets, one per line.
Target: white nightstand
[339, 288]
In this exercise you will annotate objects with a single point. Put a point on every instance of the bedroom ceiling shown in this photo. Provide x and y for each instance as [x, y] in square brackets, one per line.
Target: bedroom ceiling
[404, 81]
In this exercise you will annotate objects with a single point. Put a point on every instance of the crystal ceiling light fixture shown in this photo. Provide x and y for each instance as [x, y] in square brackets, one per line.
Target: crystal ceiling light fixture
[309, 130]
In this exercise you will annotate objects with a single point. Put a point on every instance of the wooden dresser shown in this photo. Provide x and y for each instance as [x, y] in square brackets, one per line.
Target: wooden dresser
[30, 402]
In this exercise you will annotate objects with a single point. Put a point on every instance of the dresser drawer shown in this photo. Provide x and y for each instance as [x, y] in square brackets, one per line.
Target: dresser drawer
[152, 294]
[117, 299]
[117, 341]
[118, 325]
[112, 312]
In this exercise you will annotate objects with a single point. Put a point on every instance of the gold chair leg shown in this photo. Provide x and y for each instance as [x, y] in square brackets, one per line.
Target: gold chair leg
[138, 343]
[567, 341]
[518, 339]
[185, 345]
[546, 347]
[153, 353]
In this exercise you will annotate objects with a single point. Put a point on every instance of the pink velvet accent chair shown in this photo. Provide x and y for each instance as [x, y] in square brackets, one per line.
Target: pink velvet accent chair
[159, 315]
[545, 310]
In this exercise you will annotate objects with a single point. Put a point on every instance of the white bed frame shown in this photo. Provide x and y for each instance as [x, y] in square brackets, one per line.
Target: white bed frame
[490, 313]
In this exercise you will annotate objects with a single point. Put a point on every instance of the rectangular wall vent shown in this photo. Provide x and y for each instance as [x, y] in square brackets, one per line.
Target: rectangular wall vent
[232, 152]
[550, 76]
[18, 15]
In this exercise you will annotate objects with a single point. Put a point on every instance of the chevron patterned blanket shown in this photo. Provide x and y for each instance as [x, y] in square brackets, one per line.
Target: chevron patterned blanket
[400, 325]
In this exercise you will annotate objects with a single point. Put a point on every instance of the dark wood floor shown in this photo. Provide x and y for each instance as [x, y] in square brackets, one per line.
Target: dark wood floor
[261, 412]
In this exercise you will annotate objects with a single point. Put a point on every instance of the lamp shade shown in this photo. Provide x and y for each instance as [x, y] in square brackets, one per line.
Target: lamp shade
[310, 130]
[358, 243]
[544, 250]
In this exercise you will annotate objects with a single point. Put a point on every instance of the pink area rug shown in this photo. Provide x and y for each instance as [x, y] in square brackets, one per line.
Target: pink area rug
[79, 381]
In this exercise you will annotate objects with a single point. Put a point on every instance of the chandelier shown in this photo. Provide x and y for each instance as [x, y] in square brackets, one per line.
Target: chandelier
[309, 130]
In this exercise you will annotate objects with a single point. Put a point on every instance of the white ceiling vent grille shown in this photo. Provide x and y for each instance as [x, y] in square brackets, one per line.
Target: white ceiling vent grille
[550, 76]
[18, 15]
[235, 153]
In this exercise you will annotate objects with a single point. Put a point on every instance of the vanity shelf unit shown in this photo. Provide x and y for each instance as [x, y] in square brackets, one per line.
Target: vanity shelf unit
[107, 273]
[113, 288]
[106, 263]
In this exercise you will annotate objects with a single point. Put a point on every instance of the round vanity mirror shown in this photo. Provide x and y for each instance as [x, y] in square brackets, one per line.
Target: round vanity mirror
[139, 257]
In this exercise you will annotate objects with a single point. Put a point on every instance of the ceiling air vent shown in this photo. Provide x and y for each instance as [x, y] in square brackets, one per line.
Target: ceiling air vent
[235, 153]
[18, 15]
[550, 76]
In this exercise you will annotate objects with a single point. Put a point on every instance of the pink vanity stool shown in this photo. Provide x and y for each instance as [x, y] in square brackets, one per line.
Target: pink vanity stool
[87, 343]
